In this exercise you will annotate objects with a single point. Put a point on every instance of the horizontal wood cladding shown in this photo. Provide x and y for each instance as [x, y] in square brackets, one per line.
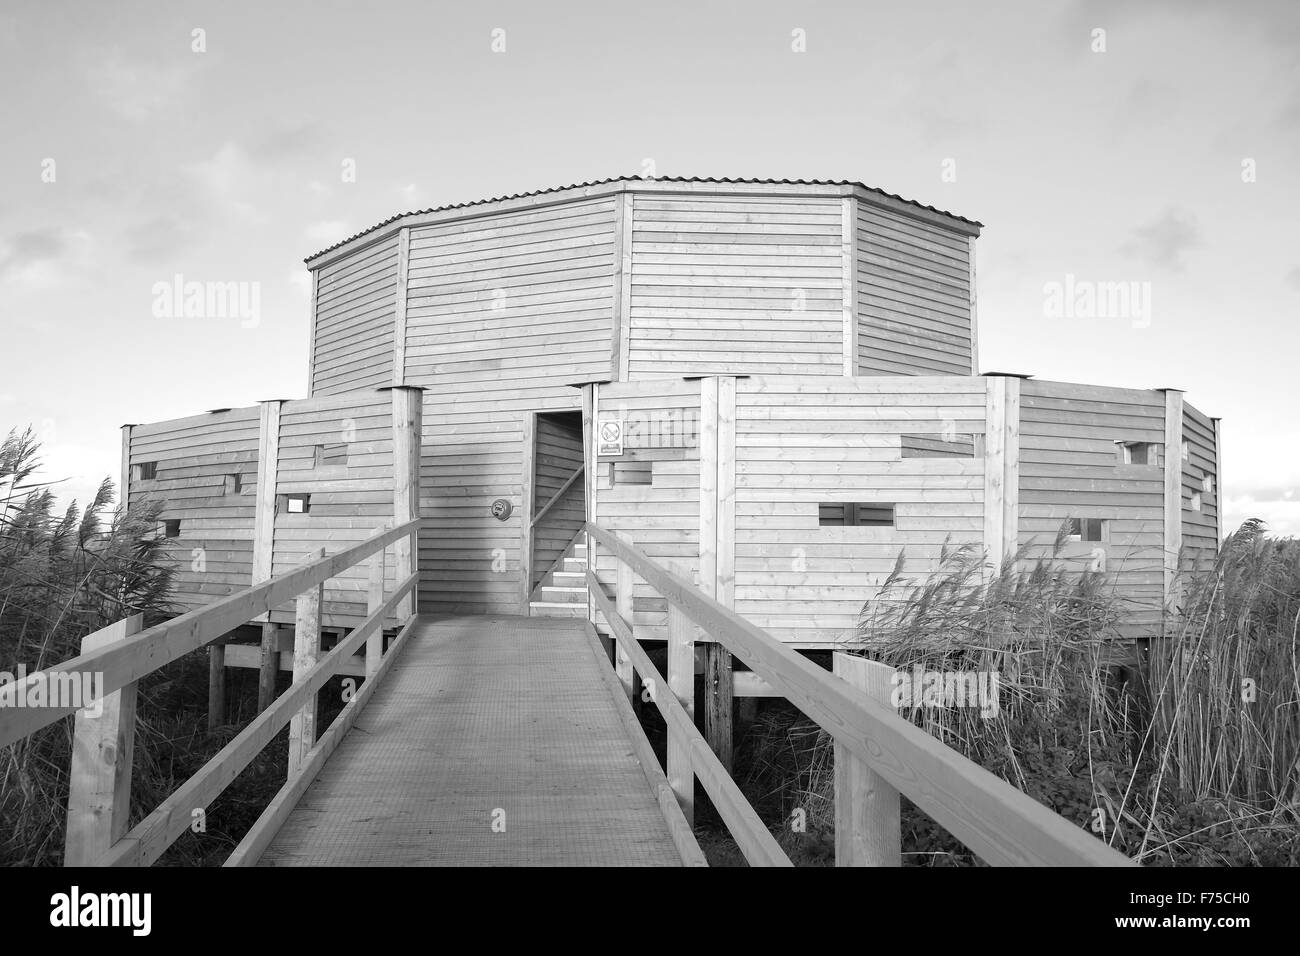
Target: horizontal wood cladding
[735, 285]
[504, 313]
[1071, 467]
[1200, 527]
[348, 501]
[661, 420]
[194, 460]
[801, 443]
[356, 301]
[914, 312]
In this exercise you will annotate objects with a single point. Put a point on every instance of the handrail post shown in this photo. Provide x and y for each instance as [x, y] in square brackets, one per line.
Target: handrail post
[374, 601]
[624, 586]
[306, 652]
[407, 410]
[99, 782]
[867, 822]
[681, 684]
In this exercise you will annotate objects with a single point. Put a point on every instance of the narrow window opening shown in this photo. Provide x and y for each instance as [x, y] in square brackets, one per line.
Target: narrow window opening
[937, 446]
[855, 514]
[330, 455]
[1207, 484]
[1137, 452]
[632, 473]
[234, 484]
[144, 471]
[1085, 529]
[1196, 501]
[295, 504]
[172, 528]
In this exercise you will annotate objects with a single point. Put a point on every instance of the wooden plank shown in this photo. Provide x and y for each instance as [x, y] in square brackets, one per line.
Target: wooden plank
[578, 472]
[306, 654]
[1001, 470]
[708, 444]
[999, 823]
[127, 661]
[681, 684]
[250, 656]
[269, 669]
[752, 836]
[718, 702]
[1173, 493]
[374, 601]
[216, 686]
[267, 825]
[99, 778]
[867, 822]
[624, 588]
[590, 407]
[399, 314]
[726, 562]
[151, 837]
[124, 485]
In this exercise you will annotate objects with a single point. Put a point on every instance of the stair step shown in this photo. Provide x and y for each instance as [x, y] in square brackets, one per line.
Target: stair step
[553, 609]
[573, 564]
[569, 579]
[550, 593]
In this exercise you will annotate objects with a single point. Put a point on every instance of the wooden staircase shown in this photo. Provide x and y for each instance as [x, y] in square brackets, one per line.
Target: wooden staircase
[562, 591]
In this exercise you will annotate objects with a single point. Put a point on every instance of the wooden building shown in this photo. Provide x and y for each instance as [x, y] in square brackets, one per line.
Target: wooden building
[771, 384]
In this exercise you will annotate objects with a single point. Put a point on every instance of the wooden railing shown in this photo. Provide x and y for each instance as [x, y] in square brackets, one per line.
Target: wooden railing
[999, 823]
[100, 782]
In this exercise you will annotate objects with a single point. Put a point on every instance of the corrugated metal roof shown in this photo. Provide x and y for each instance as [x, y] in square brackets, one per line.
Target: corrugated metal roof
[655, 179]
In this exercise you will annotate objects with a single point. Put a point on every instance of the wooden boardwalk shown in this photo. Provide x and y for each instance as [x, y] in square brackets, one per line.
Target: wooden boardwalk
[493, 741]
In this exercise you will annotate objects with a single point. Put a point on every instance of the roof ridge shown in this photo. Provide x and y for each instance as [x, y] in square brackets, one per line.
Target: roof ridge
[731, 181]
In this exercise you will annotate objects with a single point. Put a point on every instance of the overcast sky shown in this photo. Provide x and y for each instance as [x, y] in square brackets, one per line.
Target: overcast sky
[1132, 163]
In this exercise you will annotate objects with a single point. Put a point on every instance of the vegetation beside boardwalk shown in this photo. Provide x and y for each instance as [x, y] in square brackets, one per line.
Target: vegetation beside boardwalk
[1194, 759]
[63, 575]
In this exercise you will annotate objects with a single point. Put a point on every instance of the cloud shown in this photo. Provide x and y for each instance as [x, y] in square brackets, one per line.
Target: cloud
[31, 249]
[137, 90]
[1293, 278]
[158, 238]
[1163, 242]
[287, 141]
[228, 181]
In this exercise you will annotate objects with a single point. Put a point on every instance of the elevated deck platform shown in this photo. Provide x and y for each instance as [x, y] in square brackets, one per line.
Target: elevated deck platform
[494, 741]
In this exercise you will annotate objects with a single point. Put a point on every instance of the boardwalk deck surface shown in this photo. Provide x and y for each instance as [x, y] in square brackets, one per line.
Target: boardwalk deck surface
[483, 720]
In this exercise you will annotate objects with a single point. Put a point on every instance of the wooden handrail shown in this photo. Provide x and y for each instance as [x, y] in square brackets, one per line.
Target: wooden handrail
[755, 841]
[151, 837]
[1001, 824]
[126, 661]
[556, 497]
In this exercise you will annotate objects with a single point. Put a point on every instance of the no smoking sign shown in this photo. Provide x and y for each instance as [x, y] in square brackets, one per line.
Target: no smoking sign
[610, 438]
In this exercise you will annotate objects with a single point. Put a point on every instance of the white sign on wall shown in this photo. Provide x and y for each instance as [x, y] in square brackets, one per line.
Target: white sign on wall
[610, 437]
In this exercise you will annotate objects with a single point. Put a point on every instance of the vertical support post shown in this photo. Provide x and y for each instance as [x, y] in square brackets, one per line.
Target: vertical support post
[270, 666]
[124, 489]
[1218, 480]
[374, 601]
[867, 823]
[590, 399]
[407, 415]
[99, 783]
[849, 281]
[1001, 470]
[974, 310]
[311, 345]
[1173, 491]
[216, 684]
[681, 683]
[624, 588]
[268, 463]
[306, 652]
[399, 307]
[527, 496]
[619, 340]
[717, 548]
